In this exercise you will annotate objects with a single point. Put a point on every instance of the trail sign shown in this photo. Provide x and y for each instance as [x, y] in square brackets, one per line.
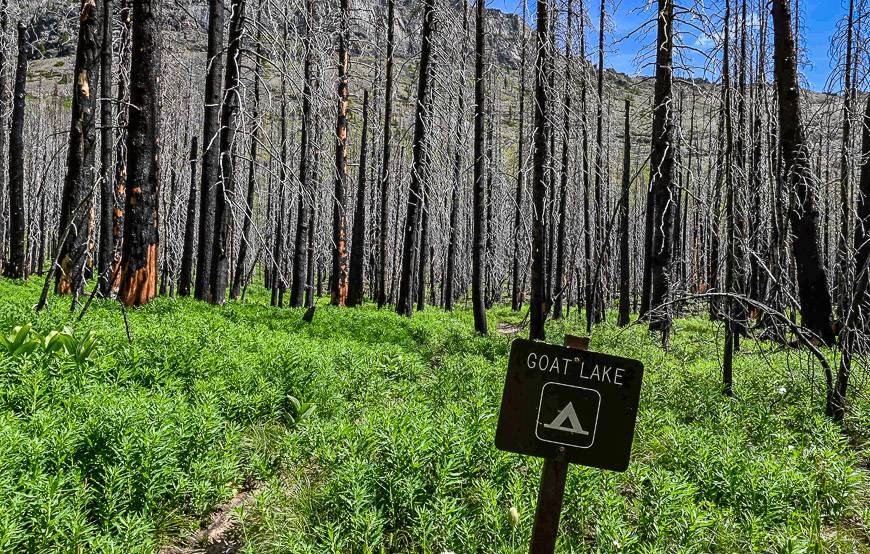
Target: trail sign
[571, 403]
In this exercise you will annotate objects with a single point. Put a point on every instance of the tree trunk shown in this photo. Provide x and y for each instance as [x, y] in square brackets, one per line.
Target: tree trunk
[516, 291]
[106, 258]
[184, 279]
[225, 185]
[479, 161]
[139, 255]
[16, 266]
[383, 235]
[404, 305]
[815, 298]
[78, 192]
[356, 278]
[560, 276]
[537, 308]
[662, 174]
[624, 259]
[306, 193]
[248, 224]
[211, 159]
[339, 277]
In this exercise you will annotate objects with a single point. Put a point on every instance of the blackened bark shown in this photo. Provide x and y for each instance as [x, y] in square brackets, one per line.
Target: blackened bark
[106, 258]
[15, 267]
[815, 298]
[560, 276]
[120, 196]
[862, 223]
[338, 278]
[662, 173]
[383, 234]
[211, 159]
[356, 279]
[79, 180]
[184, 280]
[538, 289]
[4, 192]
[404, 304]
[139, 254]
[516, 291]
[225, 185]
[306, 193]
[247, 226]
[478, 192]
[624, 259]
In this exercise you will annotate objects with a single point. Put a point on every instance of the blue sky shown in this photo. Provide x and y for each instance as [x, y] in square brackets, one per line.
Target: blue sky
[818, 23]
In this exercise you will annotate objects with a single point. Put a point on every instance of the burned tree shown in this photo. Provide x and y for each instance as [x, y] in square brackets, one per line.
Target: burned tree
[404, 305]
[16, 264]
[76, 218]
[815, 298]
[211, 158]
[479, 162]
[139, 253]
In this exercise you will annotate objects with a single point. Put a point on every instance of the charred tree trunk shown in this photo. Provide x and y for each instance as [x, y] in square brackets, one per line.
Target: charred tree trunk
[225, 185]
[78, 187]
[247, 226]
[184, 280]
[306, 193]
[16, 264]
[624, 259]
[537, 309]
[478, 215]
[358, 247]
[338, 279]
[815, 298]
[383, 234]
[844, 254]
[211, 159]
[106, 258]
[516, 290]
[560, 282]
[404, 305]
[139, 255]
[662, 174]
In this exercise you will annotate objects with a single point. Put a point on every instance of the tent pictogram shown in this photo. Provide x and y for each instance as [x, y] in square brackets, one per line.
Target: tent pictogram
[567, 414]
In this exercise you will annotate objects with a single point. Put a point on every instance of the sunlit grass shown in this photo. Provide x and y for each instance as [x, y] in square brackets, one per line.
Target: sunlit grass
[131, 449]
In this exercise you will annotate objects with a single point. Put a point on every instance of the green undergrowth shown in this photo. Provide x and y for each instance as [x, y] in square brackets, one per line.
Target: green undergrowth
[131, 447]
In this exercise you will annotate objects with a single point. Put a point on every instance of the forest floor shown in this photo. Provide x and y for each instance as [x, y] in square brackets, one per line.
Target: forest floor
[368, 432]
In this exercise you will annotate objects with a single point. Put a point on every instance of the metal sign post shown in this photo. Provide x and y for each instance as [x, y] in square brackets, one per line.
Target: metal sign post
[567, 405]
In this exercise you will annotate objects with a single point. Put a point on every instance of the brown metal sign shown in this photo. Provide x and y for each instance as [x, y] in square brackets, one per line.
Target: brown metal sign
[563, 401]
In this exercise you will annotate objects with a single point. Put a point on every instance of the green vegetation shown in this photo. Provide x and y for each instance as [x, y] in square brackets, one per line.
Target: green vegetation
[122, 447]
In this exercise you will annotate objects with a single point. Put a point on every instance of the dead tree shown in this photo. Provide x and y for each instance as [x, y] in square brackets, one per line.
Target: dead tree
[383, 234]
[184, 279]
[815, 298]
[225, 186]
[139, 254]
[404, 304]
[537, 308]
[356, 277]
[479, 163]
[106, 256]
[16, 264]
[211, 157]
[338, 278]
[78, 186]
[661, 186]
[624, 255]
[305, 208]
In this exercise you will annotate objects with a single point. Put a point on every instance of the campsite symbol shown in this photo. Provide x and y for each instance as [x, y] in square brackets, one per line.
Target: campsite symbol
[568, 415]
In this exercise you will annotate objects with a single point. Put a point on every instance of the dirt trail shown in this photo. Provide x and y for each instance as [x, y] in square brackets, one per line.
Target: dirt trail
[218, 536]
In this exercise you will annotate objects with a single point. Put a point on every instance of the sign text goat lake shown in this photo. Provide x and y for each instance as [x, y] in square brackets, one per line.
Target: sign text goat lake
[560, 400]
